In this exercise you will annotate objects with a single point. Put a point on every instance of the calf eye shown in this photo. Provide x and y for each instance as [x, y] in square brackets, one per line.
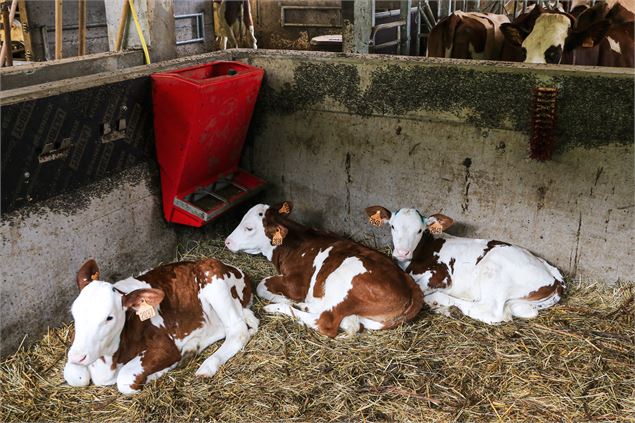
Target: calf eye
[392, 227]
[249, 229]
[260, 214]
[420, 230]
[109, 318]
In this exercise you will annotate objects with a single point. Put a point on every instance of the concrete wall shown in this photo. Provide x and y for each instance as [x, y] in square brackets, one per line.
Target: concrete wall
[337, 134]
[42, 14]
[118, 221]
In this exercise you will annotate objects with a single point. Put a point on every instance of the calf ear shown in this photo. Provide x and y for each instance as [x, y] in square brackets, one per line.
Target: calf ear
[378, 215]
[438, 223]
[135, 298]
[87, 273]
[283, 208]
[588, 37]
[515, 34]
[278, 233]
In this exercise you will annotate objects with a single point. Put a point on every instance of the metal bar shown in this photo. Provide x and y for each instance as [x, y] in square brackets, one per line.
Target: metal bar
[363, 17]
[200, 24]
[123, 20]
[428, 10]
[81, 11]
[45, 42]
[515, 8]
[58, 29]
[406, 5]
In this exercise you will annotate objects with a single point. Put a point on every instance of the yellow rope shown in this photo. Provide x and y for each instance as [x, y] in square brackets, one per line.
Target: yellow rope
[136, 22]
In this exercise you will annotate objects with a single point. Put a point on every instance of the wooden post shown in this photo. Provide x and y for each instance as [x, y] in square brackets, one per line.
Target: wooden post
[58, 29]
[404, 15]
[26, 30]
[81, 10]
[125, 8]
[6, 24]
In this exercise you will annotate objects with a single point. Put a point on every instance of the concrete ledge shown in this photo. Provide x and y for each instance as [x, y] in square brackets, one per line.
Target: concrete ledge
[117, 221]
[40, 72]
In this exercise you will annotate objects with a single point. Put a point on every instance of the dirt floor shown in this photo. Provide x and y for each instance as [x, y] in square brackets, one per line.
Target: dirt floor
[575, 362]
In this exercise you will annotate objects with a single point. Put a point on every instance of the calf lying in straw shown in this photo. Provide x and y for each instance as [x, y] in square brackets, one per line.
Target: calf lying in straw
[340, 284]
[488, 280]
[139, 328]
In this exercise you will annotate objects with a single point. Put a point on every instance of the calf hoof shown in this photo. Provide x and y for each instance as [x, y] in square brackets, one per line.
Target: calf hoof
[209, 368]
[76, 375]
[455, 312]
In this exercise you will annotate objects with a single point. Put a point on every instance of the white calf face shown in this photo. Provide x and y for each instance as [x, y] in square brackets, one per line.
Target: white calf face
[546, 41]
[99, 319]
[407, 227]
[249, 236]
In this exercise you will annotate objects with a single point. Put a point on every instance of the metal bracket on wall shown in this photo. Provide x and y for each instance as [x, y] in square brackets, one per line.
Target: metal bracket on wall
[199, 36]
[109, 134]
[51, 151]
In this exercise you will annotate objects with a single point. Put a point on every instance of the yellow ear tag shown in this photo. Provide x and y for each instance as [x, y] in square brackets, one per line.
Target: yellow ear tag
[436, 228]
[145, 311]
[94, 276]
[284, 209]
[375, 219]
[277, 237]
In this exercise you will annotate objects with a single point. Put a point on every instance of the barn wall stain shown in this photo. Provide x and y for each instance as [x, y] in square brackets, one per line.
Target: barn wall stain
[485, 99]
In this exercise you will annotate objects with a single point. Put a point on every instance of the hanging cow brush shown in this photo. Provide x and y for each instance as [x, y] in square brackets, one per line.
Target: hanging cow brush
[542, 142]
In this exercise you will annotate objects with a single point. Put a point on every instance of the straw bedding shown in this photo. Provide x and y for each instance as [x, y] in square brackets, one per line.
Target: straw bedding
[574, 362]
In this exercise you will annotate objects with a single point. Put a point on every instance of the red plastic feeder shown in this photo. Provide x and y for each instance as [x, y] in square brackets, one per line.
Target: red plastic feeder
[201, 118]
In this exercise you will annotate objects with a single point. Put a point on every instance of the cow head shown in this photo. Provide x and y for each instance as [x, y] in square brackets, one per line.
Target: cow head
[261, 230]
[407, 227]
[551, 35]
[99, 312]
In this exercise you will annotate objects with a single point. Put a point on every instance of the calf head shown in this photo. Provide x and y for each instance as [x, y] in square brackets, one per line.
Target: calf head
[261, 229]
[407, 227]
[99, 313]
[551, 35]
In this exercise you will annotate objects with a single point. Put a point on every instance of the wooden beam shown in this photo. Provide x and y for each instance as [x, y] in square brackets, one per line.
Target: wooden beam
[125, 9]
[58, 29]
[81, 10]
[6, 46]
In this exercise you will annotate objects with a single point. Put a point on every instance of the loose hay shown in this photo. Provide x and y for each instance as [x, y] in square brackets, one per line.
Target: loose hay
[574, 362]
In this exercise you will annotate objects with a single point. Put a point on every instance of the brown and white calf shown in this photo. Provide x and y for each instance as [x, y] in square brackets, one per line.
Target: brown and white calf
[336, 283]
[195, 304]
[599, 36]
[487, 280]
[467, 35]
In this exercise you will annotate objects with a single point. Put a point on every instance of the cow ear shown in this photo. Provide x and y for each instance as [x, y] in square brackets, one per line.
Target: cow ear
[87, 273]
[137, 297]
[515, 34]
[378, 215]
[279, 232]
[283, 208]
[588, 37]
[437, 223]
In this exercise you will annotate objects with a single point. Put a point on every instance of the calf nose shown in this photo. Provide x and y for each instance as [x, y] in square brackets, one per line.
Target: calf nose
[402, 252]
[77, 357]
[228, 243]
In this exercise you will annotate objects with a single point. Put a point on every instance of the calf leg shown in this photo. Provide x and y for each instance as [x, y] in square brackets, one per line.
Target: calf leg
[268, 286]
[102, 373]
[149, 365]
[251, 320]
[489, 312]
[303, 317]
[218, 295]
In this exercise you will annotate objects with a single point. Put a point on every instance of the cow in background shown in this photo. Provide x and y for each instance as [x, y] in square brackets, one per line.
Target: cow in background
[228, 25]
[467, 35]
[334, 282]
[600, 36]
[488, 280]
[137, 329]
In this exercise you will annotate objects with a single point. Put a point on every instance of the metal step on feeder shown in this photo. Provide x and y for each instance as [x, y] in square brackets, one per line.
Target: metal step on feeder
[201, 118]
